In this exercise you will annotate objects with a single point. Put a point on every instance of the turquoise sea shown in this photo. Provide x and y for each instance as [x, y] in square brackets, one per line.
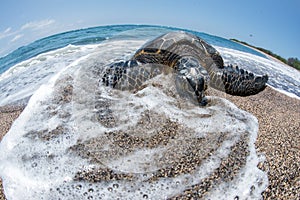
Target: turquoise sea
[282, 77]
[99, 34]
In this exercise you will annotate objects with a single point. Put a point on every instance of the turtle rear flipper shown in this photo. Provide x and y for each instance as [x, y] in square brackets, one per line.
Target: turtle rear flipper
[239, 82]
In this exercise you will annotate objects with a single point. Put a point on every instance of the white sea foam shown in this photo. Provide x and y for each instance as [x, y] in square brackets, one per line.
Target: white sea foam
[286, 93]
[23, 79]
[35, 157]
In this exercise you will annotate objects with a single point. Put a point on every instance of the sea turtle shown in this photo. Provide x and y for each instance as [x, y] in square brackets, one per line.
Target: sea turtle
[195, 63]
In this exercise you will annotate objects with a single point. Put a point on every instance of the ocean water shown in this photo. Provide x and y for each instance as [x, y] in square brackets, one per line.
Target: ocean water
[97, 35]
[73, 129]
[25, 69]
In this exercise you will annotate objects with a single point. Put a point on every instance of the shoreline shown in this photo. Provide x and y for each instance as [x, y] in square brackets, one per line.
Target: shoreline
[267, 55]
[278, 137]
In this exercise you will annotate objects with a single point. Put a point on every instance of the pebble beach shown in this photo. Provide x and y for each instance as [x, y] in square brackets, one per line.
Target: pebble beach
[278, 138]
[7, 116]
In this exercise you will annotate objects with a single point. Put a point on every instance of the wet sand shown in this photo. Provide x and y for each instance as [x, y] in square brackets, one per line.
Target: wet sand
[278, 138]
[7, 115]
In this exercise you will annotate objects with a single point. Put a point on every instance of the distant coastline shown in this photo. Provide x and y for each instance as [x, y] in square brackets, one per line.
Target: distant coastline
[293, 62]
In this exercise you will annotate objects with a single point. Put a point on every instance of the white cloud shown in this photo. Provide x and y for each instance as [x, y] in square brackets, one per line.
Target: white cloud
[25, 29]
[7, 30]
[35, 25]
[11, 38]
[16, 37]
[5, 33]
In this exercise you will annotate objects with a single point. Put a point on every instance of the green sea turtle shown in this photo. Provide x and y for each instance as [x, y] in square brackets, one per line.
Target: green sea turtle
[195, 63]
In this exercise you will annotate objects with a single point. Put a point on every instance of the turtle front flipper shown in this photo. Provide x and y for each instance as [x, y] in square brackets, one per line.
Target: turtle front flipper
[238, 82]
[113, 73]
[130, 75]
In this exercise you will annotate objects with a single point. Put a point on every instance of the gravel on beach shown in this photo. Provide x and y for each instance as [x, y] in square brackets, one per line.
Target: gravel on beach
[278, 138]
[7, 115]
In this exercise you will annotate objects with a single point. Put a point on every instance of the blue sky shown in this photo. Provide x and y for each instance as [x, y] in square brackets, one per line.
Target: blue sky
[271, 24]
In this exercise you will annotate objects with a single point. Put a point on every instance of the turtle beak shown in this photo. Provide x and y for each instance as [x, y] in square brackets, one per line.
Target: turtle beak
[203, 101]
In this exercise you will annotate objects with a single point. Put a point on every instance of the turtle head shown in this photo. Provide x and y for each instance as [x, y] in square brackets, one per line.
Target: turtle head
[192, 80]
[199, 86]
[192, 89]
